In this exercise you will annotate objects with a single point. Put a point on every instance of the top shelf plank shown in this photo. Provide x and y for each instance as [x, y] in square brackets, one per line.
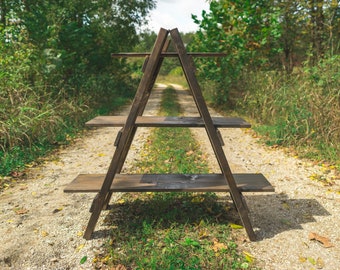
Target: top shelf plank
[167, 121]
[168, 54]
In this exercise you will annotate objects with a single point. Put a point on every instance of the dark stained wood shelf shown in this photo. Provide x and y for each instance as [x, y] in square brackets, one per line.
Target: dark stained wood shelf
[170, 182]
[168, 54]
[167, 121]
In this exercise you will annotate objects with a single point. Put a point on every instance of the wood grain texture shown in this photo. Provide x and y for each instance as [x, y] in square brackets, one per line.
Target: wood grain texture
[167, 121]
[170, 182]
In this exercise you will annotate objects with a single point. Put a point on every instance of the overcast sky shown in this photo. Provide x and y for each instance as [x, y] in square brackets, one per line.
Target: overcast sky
[171, 14]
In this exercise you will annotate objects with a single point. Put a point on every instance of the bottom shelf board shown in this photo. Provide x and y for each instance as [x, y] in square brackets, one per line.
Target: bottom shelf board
[170, 182]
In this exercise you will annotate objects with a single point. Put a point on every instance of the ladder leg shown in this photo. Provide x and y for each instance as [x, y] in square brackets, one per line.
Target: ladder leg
[242, 210]
[128, 131]
[188, 68]
[96, 208]
[140, 112]
[107, 200]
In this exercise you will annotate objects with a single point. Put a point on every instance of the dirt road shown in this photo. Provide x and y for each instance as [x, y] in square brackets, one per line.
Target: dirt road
[41, 227]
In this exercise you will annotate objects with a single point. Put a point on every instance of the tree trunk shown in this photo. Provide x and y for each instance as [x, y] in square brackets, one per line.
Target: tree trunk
[3, 12]
[317, 31]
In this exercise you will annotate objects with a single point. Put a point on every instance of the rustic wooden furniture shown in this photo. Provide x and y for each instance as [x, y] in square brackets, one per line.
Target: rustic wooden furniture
[113, 181]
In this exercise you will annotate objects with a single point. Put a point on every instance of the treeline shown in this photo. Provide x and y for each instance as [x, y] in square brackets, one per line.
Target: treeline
[56, 69]
[282, 67]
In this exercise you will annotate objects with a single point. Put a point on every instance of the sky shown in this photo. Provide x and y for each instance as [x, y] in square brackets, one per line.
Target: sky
[171, 14]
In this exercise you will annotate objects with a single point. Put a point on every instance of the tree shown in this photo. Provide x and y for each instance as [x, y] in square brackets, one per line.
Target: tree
[247, 31]
[272, 33]
[75, 38]
[56, 69]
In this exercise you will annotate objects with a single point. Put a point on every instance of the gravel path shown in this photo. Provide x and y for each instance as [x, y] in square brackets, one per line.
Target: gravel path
[41, 227]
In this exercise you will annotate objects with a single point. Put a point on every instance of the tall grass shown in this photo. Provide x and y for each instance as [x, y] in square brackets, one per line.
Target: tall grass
[39, 109]
[33, 123]
[300, 110]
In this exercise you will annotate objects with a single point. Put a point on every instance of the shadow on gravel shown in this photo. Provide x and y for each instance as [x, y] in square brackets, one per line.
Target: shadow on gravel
[273, 214]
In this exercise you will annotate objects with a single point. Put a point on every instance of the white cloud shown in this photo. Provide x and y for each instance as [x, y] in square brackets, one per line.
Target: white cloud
[171, 14]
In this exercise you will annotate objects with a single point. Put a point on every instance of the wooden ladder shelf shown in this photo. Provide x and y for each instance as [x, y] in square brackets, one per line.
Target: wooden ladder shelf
[113, 181]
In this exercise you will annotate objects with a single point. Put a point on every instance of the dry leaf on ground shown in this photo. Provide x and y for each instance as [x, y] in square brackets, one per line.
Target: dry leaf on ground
[21, 211]
[326, 242]
[217, 246]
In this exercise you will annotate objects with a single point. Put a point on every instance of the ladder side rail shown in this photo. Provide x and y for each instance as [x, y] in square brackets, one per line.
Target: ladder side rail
[142, 106]
[127, 132]
[188, 67]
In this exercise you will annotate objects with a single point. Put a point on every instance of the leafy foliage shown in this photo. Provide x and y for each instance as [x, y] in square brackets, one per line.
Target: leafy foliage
[246, 31]
[56, 69]
[280, 66]
[263, 35]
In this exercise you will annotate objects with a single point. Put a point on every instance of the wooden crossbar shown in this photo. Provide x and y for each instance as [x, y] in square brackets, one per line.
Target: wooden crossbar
[168, 54]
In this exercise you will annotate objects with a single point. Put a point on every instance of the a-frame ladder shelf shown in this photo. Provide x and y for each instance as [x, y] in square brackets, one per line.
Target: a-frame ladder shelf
[114, 181]
[167, 121]
[170, 182]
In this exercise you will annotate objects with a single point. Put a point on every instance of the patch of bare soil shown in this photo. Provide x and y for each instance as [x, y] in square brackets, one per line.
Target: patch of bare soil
[42, 227]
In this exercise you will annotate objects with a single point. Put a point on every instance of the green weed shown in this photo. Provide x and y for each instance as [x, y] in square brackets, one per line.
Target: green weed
[171, 231]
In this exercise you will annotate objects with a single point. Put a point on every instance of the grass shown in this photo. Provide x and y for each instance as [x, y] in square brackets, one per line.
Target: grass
[35, 124]
[171, 150]
[172, 230]
[29, 139]
[299, 110]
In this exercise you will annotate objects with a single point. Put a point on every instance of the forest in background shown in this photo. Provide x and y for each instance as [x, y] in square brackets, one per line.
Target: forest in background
[281, 69]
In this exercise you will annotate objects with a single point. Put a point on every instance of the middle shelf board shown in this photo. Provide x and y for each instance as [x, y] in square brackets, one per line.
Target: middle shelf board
[170, 182]
[167, 121]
